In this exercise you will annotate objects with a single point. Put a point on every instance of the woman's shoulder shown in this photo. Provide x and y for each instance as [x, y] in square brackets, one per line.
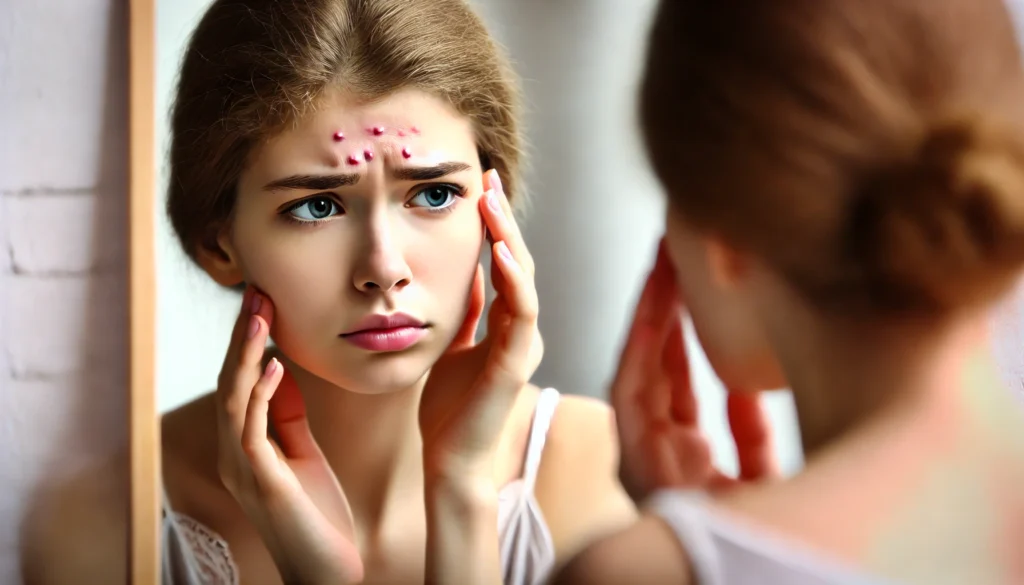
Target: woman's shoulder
[581, 439]
[76, 528]
[578, 481]
[580, 436]
[188, 431]
[188, 444]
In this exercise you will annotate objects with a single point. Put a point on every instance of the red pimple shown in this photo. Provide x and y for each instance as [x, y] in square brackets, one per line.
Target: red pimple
[406, 152]
[377, 130]
[338, 137]
[368, 155]
[401, 133]
[352, 160]
[415, 130]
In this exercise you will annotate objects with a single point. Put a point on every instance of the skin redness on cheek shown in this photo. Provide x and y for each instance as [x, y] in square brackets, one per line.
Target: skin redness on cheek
[367, 154]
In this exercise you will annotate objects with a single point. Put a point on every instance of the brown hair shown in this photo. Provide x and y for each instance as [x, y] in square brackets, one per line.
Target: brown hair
[254, 66]
[872, 150]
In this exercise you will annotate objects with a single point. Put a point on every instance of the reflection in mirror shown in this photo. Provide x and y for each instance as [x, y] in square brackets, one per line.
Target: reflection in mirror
[337, 181]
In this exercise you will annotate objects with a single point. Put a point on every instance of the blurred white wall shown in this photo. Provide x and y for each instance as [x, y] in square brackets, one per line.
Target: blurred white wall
[194, 315]
[593, 225]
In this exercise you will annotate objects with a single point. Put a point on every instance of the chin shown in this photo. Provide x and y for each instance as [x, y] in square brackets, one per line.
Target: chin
[383, 372]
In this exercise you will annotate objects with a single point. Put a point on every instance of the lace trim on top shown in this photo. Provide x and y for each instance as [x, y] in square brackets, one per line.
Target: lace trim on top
[210, 552]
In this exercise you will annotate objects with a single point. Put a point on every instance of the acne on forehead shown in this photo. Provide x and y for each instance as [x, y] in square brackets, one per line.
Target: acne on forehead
[367, 154]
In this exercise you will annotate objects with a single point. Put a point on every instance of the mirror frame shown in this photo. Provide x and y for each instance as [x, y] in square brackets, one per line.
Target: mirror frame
[143, 420]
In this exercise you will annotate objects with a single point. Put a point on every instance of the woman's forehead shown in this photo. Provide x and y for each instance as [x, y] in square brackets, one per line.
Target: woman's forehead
[344, 132]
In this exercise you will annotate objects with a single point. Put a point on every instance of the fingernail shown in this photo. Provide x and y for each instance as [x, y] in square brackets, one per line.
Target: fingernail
[492, 202]
[504, 252]
[271, 366]
[257, 302]
[254, 327]
[496, 182]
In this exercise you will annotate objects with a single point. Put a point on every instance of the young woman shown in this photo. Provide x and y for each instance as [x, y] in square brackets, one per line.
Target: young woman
[341, 159]
[846, 201]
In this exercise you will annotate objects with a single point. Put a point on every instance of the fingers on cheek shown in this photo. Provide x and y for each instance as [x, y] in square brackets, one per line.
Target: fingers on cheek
[493, 216]
[256, 337]
[252, 329]
[508, 268]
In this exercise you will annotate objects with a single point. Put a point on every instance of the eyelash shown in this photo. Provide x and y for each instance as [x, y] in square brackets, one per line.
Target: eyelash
[286, 213]
[458, 190]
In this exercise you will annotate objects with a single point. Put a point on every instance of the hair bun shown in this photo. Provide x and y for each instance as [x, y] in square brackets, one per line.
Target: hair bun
[944, 226]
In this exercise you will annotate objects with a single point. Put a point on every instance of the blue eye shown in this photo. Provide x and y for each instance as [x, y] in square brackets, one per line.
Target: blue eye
[315, 209]
[435, 197]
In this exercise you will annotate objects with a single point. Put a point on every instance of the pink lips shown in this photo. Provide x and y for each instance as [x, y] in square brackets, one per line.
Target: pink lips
[386, 332]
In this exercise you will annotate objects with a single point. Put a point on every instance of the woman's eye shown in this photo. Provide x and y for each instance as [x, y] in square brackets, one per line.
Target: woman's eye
[314, 209]
[435, 197]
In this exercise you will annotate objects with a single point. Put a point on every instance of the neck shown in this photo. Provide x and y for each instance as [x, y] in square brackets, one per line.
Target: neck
[371, 441]
[846, 374]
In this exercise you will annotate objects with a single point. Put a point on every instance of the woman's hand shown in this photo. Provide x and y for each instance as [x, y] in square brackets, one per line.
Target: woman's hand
[472, 388]
[468, 398]
[656, 408]
[285, 487]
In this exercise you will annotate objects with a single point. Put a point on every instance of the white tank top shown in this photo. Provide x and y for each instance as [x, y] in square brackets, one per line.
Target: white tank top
[724, 552]
[192, 554]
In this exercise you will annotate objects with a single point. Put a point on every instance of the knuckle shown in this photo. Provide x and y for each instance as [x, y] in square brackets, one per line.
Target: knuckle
[251, 448]
[528, 312]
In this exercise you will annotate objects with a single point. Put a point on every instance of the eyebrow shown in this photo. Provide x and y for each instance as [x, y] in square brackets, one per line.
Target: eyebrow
[428, 173]
[330, 182]
[312, 182]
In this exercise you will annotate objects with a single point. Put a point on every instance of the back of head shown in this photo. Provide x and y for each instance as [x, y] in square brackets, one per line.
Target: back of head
[254, 66]
[870, 151]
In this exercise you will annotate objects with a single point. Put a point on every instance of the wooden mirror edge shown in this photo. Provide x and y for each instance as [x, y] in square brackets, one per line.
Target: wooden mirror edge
[143, 419]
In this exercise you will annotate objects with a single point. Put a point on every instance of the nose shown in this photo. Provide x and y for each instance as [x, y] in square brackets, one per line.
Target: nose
[382, 266]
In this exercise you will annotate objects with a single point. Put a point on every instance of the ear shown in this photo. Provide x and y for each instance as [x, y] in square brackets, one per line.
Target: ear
[216, 254]
[728, 266]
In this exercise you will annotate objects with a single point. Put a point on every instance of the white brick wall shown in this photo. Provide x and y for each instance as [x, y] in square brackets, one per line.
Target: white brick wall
[63, 204]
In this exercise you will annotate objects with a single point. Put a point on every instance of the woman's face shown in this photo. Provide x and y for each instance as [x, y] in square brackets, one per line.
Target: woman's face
[360, 212]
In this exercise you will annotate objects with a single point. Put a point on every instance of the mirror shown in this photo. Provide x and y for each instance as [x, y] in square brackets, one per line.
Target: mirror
[589, 270]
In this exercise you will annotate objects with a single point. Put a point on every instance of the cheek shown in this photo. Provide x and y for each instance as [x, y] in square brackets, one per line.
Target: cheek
[443, 259]
[295, 267]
